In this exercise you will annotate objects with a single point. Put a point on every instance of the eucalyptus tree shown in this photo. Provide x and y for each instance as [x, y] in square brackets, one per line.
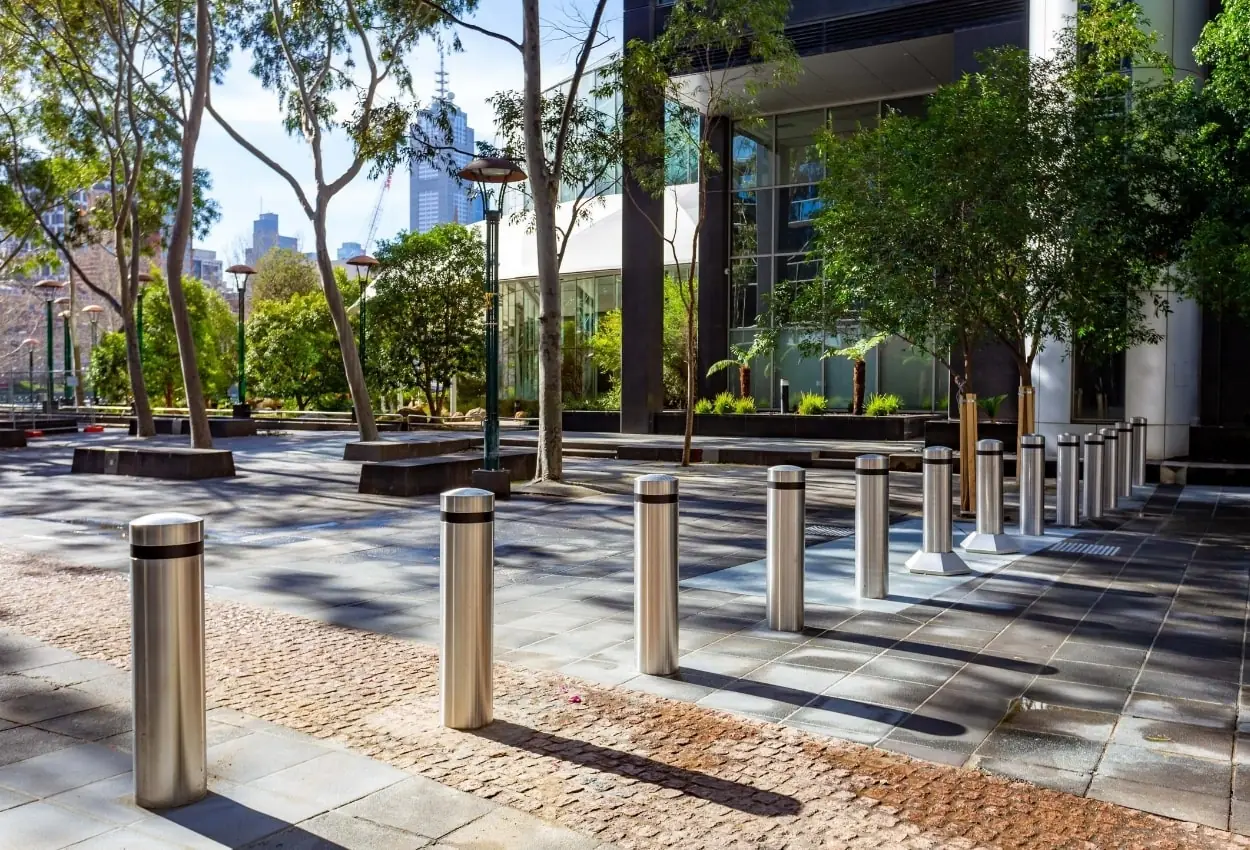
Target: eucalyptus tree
[337, 66]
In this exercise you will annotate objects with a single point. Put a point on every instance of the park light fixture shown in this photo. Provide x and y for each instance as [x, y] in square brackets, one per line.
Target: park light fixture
[241, 273]
[358, 262]
[487, 172]
[144, 279]
[49, 288]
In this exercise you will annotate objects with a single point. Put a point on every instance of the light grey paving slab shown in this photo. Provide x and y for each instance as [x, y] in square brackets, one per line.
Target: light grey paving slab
[73, 672]
[1177, 738]
[13, 685]
[24, 742]
[509, 828]
[28, 658]
[335, 829]
[48, 704]
[42, 826]
[332, 780]
[10, 798]
[92, 724]
[67, 768]
[130, 838]
[259, 754]
[1182, 773]
[224, 820]
[111, 800]
[1169, 802]
[420, 806]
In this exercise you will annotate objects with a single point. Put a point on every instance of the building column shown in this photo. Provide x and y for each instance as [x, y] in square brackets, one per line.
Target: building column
[713, 323]
[1162, 380]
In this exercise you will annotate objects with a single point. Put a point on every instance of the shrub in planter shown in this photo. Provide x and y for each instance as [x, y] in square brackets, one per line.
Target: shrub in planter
[703, 406]
[990, 404]
[883, 404]
[812, 404]
[744, 405]
[723, 403]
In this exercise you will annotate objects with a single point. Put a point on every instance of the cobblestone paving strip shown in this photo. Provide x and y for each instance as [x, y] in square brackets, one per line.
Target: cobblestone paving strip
[632, 769]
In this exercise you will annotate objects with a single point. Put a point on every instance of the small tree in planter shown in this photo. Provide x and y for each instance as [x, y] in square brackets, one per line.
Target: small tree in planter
[742, 357]
[857, 353]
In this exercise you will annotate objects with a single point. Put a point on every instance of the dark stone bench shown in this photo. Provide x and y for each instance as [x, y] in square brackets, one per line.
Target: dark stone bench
[178, 464]
[218, 426]
[381, 451]
[656, 452]
[12, 438]
[419, 476]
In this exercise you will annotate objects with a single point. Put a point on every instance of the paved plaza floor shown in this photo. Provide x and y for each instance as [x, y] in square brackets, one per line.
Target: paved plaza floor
[1108, 664]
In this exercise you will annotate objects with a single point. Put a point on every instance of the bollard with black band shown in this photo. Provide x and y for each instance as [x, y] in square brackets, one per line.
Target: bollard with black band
[1110, 468]
[937, 555]
[989, 537]
[1124, 460]
[655, 574]
[1091, 493]
[872, 526]
[1139, 451]
[167, 659]
[1032, 477]
[466, 577]
[786, 506]
[1068, 481]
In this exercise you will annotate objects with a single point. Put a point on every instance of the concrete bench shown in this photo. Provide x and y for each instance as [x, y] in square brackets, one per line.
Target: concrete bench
[178, 464]
[382, 451]
[419, 476]
[218, 426]
[12, 438]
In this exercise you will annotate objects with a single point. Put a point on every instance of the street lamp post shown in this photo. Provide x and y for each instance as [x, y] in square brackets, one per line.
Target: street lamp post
[49, 288]
[241, 274]
[66, 370]
[31, 344]
[362, 261]
[487, 171]
[144, 280]
[93, 312]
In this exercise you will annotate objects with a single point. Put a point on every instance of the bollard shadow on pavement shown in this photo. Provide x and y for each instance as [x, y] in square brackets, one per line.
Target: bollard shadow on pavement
[229, 822]
[724, 792]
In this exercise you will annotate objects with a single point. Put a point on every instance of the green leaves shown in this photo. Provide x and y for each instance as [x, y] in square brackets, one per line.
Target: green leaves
[292, 352]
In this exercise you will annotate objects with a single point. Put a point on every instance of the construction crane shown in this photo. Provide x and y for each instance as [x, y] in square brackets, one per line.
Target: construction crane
[377, 213]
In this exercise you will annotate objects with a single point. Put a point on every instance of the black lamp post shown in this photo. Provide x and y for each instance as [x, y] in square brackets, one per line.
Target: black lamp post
[358, 262]
[144, 280]
[241, 274]
[49, 288]
[487, 171]
[31, 344]
[93, 312]
[66, 367]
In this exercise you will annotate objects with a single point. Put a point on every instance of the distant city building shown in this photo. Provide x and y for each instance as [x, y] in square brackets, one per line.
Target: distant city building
[436, 195]
[205, 266]
[350, 249]
[265, 238]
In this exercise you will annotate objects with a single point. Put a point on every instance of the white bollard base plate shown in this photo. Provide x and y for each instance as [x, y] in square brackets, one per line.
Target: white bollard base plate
[989, 544]
[937, 564]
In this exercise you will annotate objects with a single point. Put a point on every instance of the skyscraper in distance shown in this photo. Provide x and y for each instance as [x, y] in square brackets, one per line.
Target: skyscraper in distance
[436, 195]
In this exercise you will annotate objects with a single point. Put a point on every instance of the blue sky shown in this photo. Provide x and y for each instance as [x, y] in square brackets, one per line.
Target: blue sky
[245, 187]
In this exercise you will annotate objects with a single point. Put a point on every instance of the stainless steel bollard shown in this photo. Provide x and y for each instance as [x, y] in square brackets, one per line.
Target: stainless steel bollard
[1139, 451]
[1031, 473]
[466, 574]
[786, 507]
[655, 574]
[937, 555]
[1124, 460]
[989, 537]
[872, 526]
[1068, 481]
[1095, 458]
[1110, 468]
[167, 659]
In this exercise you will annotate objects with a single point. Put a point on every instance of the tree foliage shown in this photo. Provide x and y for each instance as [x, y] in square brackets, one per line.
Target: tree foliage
[213, 325]
[292, 352]
[283, 273]
[107, 373]
[428, 303]
[605, 346]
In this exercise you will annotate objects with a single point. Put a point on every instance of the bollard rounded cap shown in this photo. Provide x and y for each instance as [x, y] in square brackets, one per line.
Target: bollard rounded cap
[1094, 439]
[467, 500]
[1032, 441]
[1109, 433]
[989, 447]
[1123, 426]
[1139, 421]
[937, 453]
[786, 475]
[166, 529]
[1068, 440]
[872, 463]
[655, 485]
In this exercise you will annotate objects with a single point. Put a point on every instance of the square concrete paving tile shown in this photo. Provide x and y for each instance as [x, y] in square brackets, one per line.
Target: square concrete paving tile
[509, 828]
[337, 830]
[1102, 675]
[848, 719]
[25, 742]
[1056, 720]
[63, 769]
[1239, 817]
[1076, 695]
[27, 658]
[10, 798]
[1067, 781]
[419, 805]
[751, 647]
[42, 826]
[878, 691]
[48, 704]
[943, 751]
[1188, 687]
[1182, 711]
[130, 838]
[1200, 776]
[601, 671]
[111, 800]
[92, 724]
[668, 687]
[1183, 805]
[1059, 751]
[16, 685]
[930, 671]
[224, 820]
[73, 672]
[749, 698]
[1182, 739]
[816, 654]
[715, 667]
[332, 780]
[259, 754]
[1096, 653]
[812, 680]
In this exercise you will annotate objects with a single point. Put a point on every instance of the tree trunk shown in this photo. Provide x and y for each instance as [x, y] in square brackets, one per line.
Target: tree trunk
[691, 369]
[145, 427]
[343, 330]
[180, 235]
[744, 381]
[544, 192]
[1025, 407]
[859, 378]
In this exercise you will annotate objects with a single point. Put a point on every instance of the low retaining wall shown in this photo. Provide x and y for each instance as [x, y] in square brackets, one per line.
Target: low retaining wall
[12, 439]
[945, 432]
[178, 464]
[381, 451]
[217, 426]
[835, 426]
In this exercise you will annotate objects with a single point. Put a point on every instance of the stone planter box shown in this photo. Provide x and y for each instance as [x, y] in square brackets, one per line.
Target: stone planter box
[12, 438]
[177, 464]
[607, 421]
[420, 476]
[832, 426]
[380, 451]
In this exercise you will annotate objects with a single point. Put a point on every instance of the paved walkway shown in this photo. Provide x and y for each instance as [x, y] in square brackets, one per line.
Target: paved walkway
[66, 780]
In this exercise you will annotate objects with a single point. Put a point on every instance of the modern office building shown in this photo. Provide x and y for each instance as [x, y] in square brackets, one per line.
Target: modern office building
[205, 266]
[265, 238]
[436, 195]
[348, 250]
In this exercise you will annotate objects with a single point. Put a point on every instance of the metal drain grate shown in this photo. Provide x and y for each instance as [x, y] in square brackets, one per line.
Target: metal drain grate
[1085, 548]
[830, 531]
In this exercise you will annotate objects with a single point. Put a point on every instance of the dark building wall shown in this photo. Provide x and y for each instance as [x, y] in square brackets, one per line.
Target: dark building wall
[714, 267]
[1225, 381]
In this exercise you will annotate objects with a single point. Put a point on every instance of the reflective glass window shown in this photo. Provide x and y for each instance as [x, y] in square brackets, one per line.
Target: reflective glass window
[796, 147]
[752, 155]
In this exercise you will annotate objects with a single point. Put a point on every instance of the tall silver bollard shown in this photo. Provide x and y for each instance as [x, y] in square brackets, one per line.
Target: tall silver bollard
[1139, 451]
[466, 572]
[1110, 468]
[989, 537]
[1031, 474]
[786, 506]
[1124, 460]
[1068, 481]
[872, 526]
[655, 574]
[1095, 458]
[167, 659]
[937, 555]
